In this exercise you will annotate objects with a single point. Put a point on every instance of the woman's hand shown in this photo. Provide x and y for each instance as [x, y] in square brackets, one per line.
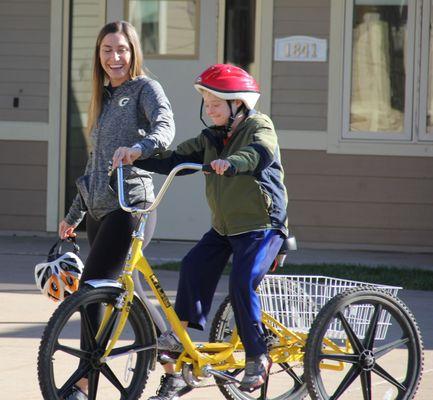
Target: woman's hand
[220, 166]
[66, 230]
[125, 154]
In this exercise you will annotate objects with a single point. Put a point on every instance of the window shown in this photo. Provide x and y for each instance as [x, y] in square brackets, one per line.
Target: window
[376, 95]
[388, 90]
[167, 28]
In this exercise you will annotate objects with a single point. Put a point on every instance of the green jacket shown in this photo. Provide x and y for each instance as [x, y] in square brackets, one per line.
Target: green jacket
[255, 198]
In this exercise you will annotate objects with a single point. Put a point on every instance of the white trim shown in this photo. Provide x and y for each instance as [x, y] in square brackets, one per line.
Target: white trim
[302, 140]
[53, 170]
[382, 148]
[265, 10]
[10, 130]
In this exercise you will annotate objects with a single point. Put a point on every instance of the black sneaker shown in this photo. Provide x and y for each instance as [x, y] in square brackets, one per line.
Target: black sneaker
[256, 372]
[171, 388]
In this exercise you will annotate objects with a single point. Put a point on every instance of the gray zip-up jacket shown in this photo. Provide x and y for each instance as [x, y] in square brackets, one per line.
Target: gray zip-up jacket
[138, 112]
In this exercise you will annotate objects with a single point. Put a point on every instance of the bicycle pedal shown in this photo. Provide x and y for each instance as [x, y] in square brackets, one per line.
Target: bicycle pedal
[167, 357]
[249, 389]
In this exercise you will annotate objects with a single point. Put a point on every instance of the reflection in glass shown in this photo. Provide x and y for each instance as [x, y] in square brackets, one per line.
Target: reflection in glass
[378, 66]
[165, 27]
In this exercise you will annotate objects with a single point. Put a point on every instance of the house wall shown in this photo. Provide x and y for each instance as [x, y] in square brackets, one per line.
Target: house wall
[300, 89]
[24, 61]
[23, 185]
[341, 200]
[24, 98]
[368, 202]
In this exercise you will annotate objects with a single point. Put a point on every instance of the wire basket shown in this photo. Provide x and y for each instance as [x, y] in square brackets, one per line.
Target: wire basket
[295, 300]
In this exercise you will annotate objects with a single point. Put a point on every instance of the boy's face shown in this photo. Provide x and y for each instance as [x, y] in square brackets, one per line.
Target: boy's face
[217, 109]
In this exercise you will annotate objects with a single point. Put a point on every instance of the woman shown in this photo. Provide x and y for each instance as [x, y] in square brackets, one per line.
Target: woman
[130, 118]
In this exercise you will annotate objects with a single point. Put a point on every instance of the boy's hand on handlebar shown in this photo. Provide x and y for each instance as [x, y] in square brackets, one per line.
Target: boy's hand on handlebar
[125, 154]
[220, 166]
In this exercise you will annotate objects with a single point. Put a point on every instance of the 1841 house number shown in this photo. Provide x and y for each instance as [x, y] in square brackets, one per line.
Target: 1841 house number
[300, 48]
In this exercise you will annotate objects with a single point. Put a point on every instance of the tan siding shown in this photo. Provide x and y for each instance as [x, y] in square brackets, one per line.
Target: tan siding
[24, 59]
[32, 89]
[28, 202]
[31, 7]
[25, 63]
[22, 223]
[13, 22]
[360, 201]
[23, 185]
[26, 103]
[294, 103]
[22, 180]
[24, 115]
[298, 123]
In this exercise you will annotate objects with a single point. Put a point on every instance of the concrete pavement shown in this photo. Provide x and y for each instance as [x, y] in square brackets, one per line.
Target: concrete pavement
[24, 312]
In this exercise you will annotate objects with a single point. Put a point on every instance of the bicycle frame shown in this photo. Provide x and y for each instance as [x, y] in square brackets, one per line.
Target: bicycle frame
[217, 356]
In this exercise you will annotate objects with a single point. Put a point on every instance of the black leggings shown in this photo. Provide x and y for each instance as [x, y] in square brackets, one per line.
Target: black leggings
[109, 240]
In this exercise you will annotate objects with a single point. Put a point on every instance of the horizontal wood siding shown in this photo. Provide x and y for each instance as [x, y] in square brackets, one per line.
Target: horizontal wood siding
[300, 89]
[23, 185]
[360, 201]
[24, 60]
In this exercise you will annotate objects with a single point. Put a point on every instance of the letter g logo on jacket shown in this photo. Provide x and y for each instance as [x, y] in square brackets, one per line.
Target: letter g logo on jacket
[123, 101]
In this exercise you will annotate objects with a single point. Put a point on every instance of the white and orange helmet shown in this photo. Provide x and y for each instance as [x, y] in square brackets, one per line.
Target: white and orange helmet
[60, 275]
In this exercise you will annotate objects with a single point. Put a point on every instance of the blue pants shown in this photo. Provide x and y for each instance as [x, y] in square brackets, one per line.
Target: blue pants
[253, 254]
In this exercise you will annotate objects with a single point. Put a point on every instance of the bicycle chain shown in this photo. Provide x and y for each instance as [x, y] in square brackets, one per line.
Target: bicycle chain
[230, 383]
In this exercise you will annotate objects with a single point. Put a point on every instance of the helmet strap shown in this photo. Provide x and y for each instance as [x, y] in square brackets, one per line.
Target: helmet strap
[201, 114]
[228, 127]
[233, 115]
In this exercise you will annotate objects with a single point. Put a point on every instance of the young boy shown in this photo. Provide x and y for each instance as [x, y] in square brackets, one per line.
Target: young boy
[248, 214]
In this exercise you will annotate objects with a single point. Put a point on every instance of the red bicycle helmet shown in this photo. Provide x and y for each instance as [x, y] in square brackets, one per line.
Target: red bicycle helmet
[229, 82]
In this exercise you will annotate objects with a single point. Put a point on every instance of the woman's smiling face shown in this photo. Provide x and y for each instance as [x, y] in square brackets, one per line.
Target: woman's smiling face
[115, 58]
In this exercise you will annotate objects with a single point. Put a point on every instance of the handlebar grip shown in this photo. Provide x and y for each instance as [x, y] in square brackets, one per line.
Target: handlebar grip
[229, 172]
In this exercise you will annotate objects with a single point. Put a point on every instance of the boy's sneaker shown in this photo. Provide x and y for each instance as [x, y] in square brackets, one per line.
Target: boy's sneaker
[76, 394]
[256, 372]
[168, 341]
[171, 388]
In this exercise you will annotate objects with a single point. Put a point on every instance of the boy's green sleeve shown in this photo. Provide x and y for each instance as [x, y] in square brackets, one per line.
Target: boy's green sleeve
[259, 153]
